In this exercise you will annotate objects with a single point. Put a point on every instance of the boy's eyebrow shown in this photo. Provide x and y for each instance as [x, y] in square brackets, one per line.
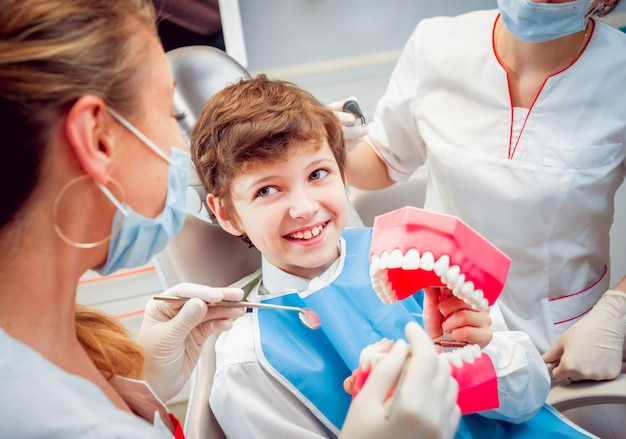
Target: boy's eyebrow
[255, 183]
[321, 161]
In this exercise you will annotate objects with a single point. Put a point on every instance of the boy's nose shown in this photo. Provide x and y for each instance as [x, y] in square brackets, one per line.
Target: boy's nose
[303, 205]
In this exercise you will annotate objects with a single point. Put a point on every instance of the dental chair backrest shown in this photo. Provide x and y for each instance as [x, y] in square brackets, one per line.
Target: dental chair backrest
[204, 253]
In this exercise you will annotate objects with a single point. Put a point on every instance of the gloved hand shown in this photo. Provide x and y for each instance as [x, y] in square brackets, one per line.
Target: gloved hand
[353, 130]
[424, 403]
[447, 316]
[172, 333]
[592, 349]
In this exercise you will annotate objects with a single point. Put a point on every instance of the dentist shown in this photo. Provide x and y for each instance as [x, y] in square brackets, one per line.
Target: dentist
[520, 114]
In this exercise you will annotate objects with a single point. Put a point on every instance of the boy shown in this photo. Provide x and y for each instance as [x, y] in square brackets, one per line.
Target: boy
[272, 160]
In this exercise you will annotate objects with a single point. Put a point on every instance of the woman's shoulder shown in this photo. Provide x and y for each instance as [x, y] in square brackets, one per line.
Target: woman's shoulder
[38, 399]
[447, 39]
[611, 38]
[474, 21]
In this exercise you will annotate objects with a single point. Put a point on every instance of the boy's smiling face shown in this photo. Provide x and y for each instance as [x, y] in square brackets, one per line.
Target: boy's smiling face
[293, 210]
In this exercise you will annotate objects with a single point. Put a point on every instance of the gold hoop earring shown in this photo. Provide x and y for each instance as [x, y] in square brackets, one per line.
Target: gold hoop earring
[55, 209]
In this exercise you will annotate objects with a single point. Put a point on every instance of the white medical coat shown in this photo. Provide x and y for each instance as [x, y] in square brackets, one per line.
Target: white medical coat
[249, 401]
[550, 205]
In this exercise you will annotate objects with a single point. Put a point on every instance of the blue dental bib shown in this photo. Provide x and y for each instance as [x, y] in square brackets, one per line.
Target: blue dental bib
[313, 364]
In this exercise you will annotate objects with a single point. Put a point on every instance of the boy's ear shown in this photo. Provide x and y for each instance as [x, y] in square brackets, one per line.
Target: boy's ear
[227, 224]
[88, 132]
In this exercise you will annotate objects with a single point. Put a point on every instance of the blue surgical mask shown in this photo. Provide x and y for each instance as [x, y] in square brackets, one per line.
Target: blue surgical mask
[139, 238]
[537, 22]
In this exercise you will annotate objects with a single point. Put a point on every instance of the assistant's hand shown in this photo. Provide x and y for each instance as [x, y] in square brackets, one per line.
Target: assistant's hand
[424, 403]
[446, 313]
[592, 349]
[172, 333]
[353, 130]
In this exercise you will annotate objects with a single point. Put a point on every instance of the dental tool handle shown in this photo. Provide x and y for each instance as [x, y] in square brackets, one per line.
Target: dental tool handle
[240, 303]
[257, 305]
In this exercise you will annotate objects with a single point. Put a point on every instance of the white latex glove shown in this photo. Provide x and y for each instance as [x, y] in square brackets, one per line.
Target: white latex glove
[353, 130]
[424, 403]
[592, 349]
[172, 333]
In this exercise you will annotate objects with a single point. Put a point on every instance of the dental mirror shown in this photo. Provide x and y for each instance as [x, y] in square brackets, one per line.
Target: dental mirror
[308, 317]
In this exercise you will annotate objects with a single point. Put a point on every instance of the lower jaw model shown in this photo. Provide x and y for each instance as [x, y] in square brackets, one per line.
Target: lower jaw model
[413, 249]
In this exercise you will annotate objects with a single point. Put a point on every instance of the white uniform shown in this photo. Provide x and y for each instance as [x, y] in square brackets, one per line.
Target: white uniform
[545, 200]
[40, 400]
[249, 401]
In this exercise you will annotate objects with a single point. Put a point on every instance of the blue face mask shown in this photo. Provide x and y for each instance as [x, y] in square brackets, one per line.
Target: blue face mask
[537, 22]
[136, 239]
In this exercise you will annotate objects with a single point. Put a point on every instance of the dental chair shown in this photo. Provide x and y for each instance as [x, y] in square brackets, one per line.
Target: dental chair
[202, 252]
[598, 407]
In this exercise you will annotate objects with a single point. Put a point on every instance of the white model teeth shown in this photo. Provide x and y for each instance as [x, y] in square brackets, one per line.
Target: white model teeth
[307, 234]
[411, 260]
[450, 275]
[427, 261]
[383, 288]
[395, 259]
[467, 354]
[442, 265]
[372, 354]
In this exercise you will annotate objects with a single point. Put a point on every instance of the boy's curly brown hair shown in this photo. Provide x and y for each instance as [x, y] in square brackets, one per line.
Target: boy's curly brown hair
[253, 121]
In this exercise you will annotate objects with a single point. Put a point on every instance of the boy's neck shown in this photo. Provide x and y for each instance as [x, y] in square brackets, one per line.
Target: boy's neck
[277, 280]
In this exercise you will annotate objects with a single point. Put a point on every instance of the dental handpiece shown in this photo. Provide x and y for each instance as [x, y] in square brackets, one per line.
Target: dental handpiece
[353, 108]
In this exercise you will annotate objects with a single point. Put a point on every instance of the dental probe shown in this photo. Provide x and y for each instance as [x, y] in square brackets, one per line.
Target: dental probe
[353, 108]
[308, 317]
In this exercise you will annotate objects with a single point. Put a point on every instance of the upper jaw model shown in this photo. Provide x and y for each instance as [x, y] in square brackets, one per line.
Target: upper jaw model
[413, 248]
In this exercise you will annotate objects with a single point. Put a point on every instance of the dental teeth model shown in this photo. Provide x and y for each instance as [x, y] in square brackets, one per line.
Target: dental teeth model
[473, 370]
[413, 249]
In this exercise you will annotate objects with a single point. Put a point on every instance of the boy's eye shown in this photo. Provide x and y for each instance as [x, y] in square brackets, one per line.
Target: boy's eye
[266, 191]
[319, 174]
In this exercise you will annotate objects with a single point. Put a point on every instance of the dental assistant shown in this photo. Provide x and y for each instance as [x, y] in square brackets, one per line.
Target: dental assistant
[520, 114]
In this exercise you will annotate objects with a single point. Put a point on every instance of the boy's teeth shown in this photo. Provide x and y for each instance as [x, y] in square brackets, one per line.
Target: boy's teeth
[449, 275]
[307, 234]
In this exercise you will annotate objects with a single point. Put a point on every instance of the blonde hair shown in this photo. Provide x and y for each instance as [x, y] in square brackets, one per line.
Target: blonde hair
[52, 52]
[108, 344]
